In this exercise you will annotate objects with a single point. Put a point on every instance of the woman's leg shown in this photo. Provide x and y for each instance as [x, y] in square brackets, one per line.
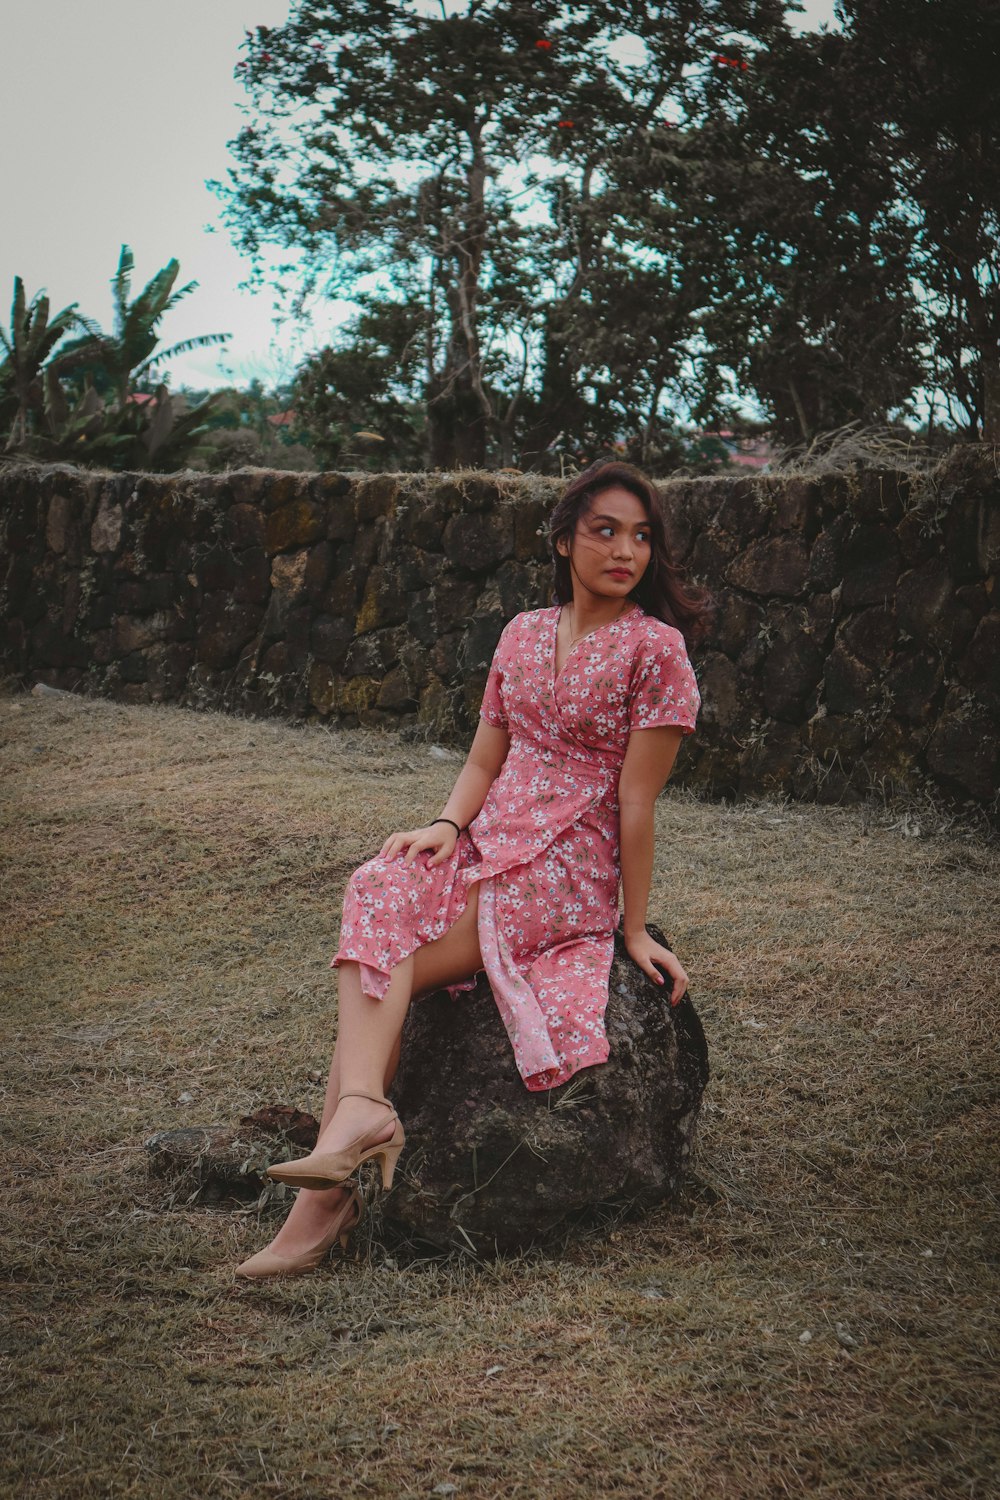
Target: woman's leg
[454, 956]
[312, 1211]
[369, 1030]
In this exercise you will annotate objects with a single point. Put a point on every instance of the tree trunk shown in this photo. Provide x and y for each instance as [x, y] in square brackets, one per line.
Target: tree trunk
[991, 396]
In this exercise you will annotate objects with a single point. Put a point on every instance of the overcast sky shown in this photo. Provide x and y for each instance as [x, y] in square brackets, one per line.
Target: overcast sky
[112, 116]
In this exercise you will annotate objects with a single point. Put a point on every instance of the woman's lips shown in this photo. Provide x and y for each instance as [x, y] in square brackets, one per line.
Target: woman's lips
[620, 572]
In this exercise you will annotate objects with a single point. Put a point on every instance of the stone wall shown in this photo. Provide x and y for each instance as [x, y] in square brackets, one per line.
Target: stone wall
[854, 645]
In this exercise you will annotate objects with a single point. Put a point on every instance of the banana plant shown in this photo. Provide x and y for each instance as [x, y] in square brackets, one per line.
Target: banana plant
[27, 346]
[130, 352]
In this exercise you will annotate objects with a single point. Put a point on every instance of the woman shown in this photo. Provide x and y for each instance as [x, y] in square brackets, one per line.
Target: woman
[584, 710]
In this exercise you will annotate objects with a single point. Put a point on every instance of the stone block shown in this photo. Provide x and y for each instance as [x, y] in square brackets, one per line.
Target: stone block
[879, 495]
[870, 635]
[771, 566]
[792, 669]
[497, 1166]
[384, 602]
[51, 645]
[848, 685]
[964, 747]
[445, 656]
[322, 687]
[133, 668]
[871, 566]
[343, 594]
[530, 530]
[924, 600]
[479, 641]
[679, 530]
[415, 569]
[913, 684]
[456, 601]
[375, 497]
[972, 536]
[711, 554]
[243, 526]
[479, 542]
[225, 626]
[168, 666]
[737, 623]
[413, 659]
[979, 669]
[59, 522]
[421, 619]
[374, 654]
[397, 692]
[319, 565]
[837, 737]
[422, 523]
[330, 638]
[918, 540]
[722, 693]
[106, 531]
[797, 505]
[826, 559]
[277, 489]
[245, 574]
[131, 634]
[294, 526]
[743, 512]
[770, 763]
[821, 615]
[334, 494]
[516, 587]
[891, 759]
[19, 585]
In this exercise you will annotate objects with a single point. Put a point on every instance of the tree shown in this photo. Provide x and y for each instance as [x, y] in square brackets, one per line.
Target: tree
[416, 151]
[782, 216]
[934, 82]
[363, 400]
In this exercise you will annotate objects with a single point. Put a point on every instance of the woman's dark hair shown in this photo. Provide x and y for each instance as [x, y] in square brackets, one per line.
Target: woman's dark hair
[663, 590]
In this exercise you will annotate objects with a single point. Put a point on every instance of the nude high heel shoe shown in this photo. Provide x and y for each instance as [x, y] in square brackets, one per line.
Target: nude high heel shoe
[323, 1169]
[266, 1263]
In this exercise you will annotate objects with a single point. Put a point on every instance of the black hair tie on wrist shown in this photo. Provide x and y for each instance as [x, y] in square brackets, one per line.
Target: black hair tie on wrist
[446, 820]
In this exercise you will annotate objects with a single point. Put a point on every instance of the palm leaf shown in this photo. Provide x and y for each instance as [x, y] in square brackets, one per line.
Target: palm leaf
[120, 286]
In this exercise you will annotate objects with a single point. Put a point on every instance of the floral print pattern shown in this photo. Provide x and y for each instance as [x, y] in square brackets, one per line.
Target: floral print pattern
[545, 845]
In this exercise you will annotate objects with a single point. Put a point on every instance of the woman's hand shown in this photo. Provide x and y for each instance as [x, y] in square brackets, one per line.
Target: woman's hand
[646, 952]
[439, 839]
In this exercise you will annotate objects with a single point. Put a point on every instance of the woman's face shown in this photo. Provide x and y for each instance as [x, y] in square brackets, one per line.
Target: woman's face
[611, 546]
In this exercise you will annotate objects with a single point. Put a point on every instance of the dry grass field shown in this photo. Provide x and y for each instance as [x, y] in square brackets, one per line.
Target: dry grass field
[815, 1318]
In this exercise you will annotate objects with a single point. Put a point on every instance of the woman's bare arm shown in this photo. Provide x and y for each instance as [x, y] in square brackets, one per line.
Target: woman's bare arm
[482, 767]
[649, 761]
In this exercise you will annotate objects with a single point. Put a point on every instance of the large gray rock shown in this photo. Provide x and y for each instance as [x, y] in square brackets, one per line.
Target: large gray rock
[493, 1167]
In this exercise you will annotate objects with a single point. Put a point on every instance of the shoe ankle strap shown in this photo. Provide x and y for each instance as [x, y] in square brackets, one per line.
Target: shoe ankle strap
[373, 1097]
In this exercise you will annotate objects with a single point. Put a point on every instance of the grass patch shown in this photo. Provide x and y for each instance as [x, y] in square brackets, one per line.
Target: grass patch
[814, 1318]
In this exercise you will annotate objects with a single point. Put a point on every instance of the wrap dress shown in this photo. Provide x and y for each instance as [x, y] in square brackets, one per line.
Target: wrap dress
[545, 846]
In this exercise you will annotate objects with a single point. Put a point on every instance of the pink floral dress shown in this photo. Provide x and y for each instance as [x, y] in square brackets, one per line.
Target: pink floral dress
[544, 848]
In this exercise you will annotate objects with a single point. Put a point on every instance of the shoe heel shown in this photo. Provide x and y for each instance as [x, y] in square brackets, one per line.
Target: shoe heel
[389, 1157]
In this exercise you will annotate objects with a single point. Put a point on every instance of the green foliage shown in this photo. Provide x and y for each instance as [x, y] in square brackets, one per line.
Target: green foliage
[600, 219]
[88, 399]
[359, 405]
[423, 146]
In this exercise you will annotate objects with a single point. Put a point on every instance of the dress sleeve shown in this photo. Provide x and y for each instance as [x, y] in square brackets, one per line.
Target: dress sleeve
[492, 709]
[664, 689]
